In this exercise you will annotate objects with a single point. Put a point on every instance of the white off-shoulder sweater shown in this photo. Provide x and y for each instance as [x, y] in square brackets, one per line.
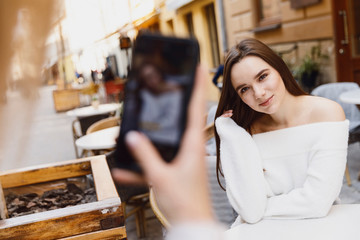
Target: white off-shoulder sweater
[291, 173]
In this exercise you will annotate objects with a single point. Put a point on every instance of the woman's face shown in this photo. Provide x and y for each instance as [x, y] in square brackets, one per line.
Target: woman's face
[151, 76]
[258, 84]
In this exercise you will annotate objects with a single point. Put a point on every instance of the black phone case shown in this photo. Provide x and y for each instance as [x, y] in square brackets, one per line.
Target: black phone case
[174, 48]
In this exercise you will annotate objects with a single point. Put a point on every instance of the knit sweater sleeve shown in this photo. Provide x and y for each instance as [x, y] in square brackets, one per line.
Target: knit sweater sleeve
[324, 177]
[246, 187]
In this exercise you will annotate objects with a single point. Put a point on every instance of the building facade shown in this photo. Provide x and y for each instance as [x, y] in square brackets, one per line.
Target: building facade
[201, 19]
[326, 31]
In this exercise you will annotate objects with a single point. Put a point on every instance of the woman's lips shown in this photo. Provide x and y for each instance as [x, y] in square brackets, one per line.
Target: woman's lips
[267, 102]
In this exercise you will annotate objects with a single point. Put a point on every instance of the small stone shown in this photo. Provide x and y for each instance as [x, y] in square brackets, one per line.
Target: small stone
[71, 187]
[53, 199]
[31, 204]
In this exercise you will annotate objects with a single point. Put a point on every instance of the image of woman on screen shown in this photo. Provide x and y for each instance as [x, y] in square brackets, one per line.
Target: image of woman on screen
[161, 101]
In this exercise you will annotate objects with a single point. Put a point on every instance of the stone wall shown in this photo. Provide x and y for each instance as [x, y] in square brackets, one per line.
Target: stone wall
[304, 28]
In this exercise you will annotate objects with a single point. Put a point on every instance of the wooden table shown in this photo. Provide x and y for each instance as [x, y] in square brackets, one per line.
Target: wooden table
[352, 97]
[91, 111]
[342, 222]
[102, 139]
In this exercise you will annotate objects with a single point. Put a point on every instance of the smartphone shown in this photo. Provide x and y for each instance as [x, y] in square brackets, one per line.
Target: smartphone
[157, 94]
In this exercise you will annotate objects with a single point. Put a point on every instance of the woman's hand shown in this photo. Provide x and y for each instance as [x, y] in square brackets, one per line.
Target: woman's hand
[227, 113]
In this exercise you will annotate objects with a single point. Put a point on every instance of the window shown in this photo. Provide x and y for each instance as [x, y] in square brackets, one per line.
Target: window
[189, 24]
[213, 37]
[302, 3]
[170, 26]
[269, 14]
[355, 27]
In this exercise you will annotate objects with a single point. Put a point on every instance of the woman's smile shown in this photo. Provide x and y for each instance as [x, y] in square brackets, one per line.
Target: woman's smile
[267, 102]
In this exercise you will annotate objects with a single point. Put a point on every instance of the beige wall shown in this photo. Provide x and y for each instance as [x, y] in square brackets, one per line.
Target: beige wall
[313, 22]
[304, 27]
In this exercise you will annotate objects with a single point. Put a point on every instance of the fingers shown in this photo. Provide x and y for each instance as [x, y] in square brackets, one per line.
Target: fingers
[193, 136]
[227, 113]
[127, 177]
[144, 152]
[197, 103]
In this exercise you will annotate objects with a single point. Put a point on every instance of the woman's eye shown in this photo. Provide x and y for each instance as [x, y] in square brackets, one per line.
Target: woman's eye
[244, 89]
[263, 76]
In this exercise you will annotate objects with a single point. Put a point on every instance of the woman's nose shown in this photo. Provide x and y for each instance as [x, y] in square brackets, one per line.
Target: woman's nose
[259, 91]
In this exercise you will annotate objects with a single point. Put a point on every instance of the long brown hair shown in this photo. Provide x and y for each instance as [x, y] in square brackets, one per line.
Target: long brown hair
[243, 115]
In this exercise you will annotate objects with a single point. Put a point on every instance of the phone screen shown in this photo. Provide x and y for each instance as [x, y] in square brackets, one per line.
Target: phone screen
[157, 94]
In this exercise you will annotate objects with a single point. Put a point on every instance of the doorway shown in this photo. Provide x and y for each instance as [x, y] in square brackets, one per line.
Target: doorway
[213, 34]
[347, 39]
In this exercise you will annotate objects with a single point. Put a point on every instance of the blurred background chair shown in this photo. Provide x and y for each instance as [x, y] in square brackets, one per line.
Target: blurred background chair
[100, 125]
[210, 145]
[134, 200]
[155, 208]
[332, 91]
[79, 127]
[115, 90]
[86, 122]
[103, 123]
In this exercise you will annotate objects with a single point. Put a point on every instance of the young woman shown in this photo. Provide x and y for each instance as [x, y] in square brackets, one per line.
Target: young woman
[282, 152]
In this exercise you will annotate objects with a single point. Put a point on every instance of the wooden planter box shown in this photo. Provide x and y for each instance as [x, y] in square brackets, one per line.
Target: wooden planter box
[102, 219]
[66, 99]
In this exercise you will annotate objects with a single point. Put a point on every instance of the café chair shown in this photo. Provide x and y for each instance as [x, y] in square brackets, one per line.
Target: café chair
[209, 131]
[139, 203]
[332, 91]
[210, 145]
[103, 124]
[86, 122]
[76, 133]
[134, 199]
[100, 125]
[156, 210]
[79, 127]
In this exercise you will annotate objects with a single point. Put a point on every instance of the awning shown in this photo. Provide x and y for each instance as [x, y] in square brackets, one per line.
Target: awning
[147, 20]
[175, 4]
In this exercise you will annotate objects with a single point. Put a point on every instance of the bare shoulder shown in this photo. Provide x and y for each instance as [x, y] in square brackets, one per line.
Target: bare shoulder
[324, 110]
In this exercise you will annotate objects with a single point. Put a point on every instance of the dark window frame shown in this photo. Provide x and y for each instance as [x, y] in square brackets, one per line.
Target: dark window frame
[266, 24]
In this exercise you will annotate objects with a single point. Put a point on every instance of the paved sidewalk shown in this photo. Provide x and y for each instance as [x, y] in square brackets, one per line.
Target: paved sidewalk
[352, 194]
[49, 139]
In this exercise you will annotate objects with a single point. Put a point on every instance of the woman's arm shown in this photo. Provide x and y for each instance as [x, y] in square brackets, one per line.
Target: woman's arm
[242, 166]
[218, 73]
[321, 188]
[326, 167]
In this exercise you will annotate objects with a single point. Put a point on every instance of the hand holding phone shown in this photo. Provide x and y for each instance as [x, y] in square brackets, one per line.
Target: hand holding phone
[157, 94]
[180, 186]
